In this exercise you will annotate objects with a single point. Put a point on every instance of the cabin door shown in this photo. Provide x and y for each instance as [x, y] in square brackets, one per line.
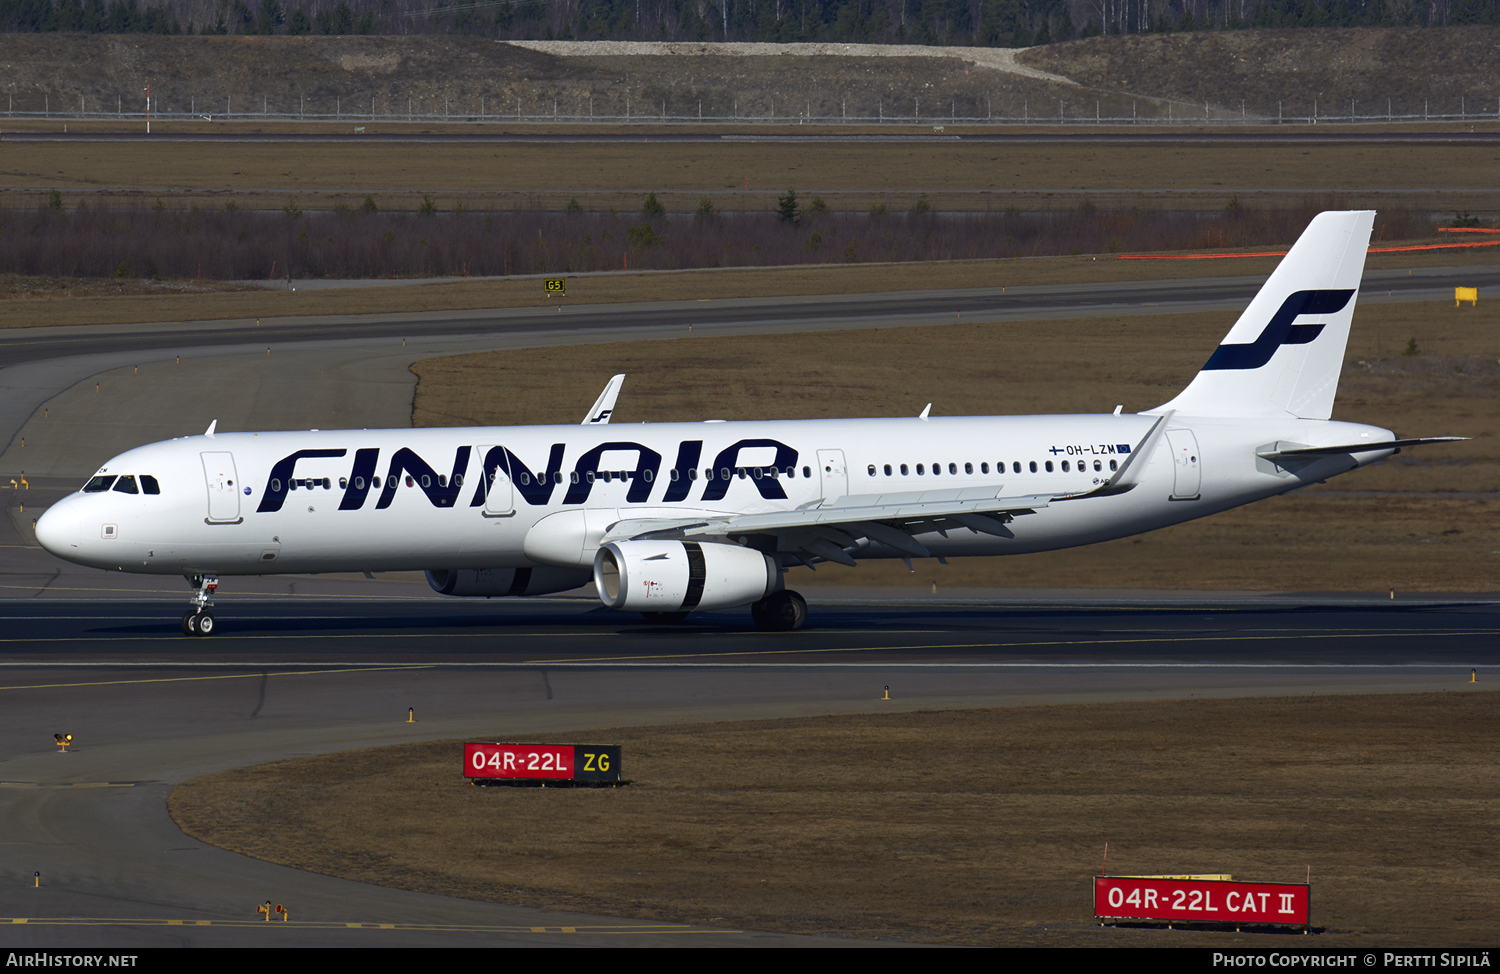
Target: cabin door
[499, 490]
[1186, 473]
[835, 476]
[223, 488]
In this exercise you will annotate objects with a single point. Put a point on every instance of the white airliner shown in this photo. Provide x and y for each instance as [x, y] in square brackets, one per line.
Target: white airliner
[670, 518]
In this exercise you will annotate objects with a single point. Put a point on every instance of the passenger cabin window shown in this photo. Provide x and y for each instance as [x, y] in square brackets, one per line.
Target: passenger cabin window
[126, 485]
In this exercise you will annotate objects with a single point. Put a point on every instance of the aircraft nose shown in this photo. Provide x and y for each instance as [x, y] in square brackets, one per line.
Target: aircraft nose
[57, 530]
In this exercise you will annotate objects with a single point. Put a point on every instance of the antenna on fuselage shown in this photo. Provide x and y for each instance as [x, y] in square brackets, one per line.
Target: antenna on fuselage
[210, 431]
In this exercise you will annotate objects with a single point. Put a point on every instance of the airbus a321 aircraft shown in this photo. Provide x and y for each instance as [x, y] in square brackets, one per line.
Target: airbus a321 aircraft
[670, 518]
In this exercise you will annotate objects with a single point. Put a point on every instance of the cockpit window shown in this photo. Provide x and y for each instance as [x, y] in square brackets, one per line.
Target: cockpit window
[149, 484]
[126, 485]
[98, 483]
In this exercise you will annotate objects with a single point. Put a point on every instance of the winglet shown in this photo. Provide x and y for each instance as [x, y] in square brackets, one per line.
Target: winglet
[210, 431]
[1129, 473]
[605, 405]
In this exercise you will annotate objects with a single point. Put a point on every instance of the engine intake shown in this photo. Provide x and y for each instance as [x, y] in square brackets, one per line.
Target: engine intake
[676, 576]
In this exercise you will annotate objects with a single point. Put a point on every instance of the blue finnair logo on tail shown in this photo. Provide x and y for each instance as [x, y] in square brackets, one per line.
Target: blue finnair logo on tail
[1280, 331]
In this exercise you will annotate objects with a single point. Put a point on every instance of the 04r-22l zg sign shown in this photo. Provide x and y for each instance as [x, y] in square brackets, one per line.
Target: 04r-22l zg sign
[551, 762]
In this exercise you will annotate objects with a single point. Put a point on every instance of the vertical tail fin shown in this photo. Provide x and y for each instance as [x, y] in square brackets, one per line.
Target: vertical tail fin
[1284, 354]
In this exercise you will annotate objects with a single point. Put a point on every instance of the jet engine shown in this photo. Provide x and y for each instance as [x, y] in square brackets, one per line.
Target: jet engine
[490, 582]
[679, 576]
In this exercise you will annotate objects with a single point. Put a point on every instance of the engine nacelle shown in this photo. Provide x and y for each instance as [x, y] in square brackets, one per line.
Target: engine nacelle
[678, 576]
[490, 582]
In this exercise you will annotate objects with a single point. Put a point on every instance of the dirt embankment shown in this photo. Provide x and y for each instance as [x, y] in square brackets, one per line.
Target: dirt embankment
[466, 78]
[1443, 71]
[1406, 71]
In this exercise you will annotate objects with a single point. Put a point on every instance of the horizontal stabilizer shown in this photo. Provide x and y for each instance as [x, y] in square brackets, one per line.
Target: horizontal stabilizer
[1323, 451]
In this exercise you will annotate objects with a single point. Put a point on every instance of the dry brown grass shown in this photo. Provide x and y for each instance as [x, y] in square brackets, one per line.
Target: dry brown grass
[969, 827]
[850, 176]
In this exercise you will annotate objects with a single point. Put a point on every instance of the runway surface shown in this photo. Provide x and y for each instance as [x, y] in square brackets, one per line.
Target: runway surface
[1005, 629]
[311, 665]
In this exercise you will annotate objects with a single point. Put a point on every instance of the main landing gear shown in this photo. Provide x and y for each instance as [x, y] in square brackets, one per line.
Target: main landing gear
[199, 619]
[782, 611]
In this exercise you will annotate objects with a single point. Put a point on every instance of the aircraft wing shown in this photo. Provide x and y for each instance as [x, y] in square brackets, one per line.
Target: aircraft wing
[824, 529]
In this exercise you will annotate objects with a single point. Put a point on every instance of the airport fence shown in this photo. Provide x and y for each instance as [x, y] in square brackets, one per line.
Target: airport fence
[539, 109]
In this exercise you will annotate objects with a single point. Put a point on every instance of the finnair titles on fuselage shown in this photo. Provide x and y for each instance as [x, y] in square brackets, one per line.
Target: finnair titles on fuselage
[668, 518]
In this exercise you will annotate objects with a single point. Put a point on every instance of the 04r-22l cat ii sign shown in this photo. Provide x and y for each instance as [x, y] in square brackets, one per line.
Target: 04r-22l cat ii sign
[675, 517]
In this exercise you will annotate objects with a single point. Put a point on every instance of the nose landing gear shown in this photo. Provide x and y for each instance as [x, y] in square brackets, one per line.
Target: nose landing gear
[199, 619]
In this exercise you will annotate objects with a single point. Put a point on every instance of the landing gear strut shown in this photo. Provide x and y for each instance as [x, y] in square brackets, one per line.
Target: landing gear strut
[199, 619]
[782, 611]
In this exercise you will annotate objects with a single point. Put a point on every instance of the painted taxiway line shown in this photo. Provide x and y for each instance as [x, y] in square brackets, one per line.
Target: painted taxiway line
[292, 925]
[224, 676]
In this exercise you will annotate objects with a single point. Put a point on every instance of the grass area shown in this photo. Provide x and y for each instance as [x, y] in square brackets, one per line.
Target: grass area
[962, 175]
[968, 827]
[1422, 521]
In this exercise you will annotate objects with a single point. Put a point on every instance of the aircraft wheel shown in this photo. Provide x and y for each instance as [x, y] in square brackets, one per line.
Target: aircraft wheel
[784, 611]
[187, 622]
[203, 625]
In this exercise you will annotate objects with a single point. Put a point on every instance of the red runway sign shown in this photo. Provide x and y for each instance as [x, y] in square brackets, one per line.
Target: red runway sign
[1125, 897]
[577, 762]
